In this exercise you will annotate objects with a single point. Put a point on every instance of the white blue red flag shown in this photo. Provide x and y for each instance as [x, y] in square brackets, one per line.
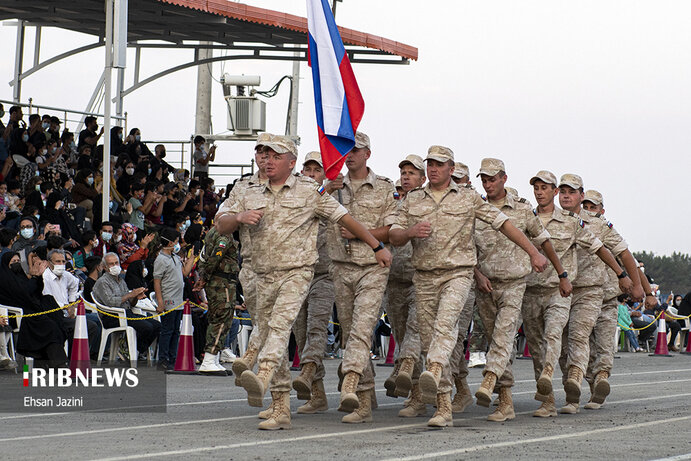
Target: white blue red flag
[337, 99]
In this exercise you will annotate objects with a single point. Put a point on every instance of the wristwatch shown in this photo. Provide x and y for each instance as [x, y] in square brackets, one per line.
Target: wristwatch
[378, 247]
[622, 275]
[563, 275]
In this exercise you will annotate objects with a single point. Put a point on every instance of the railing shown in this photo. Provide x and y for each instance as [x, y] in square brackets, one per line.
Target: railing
[66, 116]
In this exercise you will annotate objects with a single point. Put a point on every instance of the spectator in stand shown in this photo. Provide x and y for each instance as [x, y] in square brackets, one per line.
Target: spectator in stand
[624, 320]
[139, 209]
[37, 137]
[126, 179]
[19, 146]
[137, 276]
[54, 129]
[28, 235]
[12, 200]
[94, 269]
[112, 291]
[64, 288]
[196, 203]
[117, 146]
[86, 160]
[69, 149]
[88, 135]
[173, 205]
[7, 238]
[55, 214]
[202, 158]
[89, 242]
[169, 284]
[128, 250]
[641, 320]
[158, 162]
[106, 241]
[42, 336]
[210, 201]
[154, 217]
[84, 193]
[136, 149]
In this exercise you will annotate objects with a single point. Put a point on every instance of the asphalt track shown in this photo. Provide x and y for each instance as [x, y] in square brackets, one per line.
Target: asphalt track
[647, 416]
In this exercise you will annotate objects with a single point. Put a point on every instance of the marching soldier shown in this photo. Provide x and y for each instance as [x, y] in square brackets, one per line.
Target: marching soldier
[282, 219]
[439, 220]
[218, 269]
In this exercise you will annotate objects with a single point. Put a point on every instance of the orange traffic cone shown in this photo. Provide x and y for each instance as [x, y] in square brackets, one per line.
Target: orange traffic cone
[687, 351]
[389, 354]
[80, 343]
[184, 362]
[661, 346]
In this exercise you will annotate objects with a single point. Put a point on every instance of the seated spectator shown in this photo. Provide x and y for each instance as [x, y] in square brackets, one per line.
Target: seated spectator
[54, 129]
[175, 203]
[111, 290]
[140, 206]
[28, 235]
[138, 275]
[42, 336]
[37, 137]
[195, 203]
[64, 288]
[117, 146]
[136, 149]
[126, 179]
[7, 238]
[641, 320]
[88, 135]
[106, 241]
[624, 320]
[84, 193]
[55, 214]
[12, 200]
[85, 160]
[158, 162]
[154, 217]
[94, 269]
[128, 250]
[89, 242]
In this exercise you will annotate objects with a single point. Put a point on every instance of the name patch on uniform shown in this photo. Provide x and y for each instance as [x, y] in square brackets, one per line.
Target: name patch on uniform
[321, 190]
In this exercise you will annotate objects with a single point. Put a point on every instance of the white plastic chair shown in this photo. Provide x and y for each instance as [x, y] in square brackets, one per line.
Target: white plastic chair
[116, 333]
[11, 310]
[243, 338]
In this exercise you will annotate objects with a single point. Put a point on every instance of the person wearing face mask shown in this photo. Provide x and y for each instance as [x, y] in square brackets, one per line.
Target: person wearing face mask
[111, 290]
[89, 242]
[136, 149]
[202, 158]
[117, 146]
[54, 128]
[158, 162]
[106, 242]
[126, 179]
[63, 287]
[84, 193]
[94, 269]
[37, 137]
[169, 286]
[88, 135]
[28, 234]
[127, 248]
[172, 205]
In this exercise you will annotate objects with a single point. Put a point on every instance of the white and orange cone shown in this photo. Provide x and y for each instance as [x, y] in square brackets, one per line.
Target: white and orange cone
[184, 361]
[661, 345]
[80, 343]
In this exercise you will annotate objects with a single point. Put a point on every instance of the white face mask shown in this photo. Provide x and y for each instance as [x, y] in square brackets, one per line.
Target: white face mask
[130, 171]
[677, 302]
[59, 269]
[145, 272]
[115, 270]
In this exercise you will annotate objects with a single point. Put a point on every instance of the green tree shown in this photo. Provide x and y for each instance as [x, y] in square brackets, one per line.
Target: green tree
[672, 273]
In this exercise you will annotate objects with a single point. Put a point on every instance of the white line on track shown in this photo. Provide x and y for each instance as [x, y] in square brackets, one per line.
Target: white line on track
[675, 458]
[358, 432]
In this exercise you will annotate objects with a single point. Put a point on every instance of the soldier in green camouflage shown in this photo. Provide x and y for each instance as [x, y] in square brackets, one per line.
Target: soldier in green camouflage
[218, 269]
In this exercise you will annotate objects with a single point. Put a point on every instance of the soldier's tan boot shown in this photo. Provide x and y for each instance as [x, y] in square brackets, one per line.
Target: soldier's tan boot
[280, 417]
[484, 393]
[246, 362]
[547, 409]
[429, 382]
[349, 398]
[373, 399]
[463, 397]
[592, 405]
[390, 383]
[414, 406]
[404, 380]
[303, 383]
[266, 414]
[600, 389]
[363, 413]
[572, 386]
[257, 385]
[569, 409]
[544, 382]
[505, 409]
[318, 402]
[443, 417]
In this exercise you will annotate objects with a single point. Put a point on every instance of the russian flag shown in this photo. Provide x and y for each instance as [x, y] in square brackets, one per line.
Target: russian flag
[337, 99]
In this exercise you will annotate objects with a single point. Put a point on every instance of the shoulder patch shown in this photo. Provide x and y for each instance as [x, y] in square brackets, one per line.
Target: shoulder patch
[581, 223]
[321, 190]
[484, 197]
[610, 225]
[571, 213]
[535, 211]
[384, 178]
[396, 196]
[522, 200]
[221, 244]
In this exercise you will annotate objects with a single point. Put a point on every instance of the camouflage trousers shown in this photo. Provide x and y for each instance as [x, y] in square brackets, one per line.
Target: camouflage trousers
[586, 304]
[500, 311]
[359, 291]
[603, 340]
[280, 295]
[441, 297]
[220, 293]
[402, 314]
[478, 340]
[458, 363]
[248, 280]
[545, 314]
[312, 322]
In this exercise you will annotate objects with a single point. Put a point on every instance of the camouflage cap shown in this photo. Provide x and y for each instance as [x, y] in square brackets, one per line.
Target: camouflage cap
[262, 139]
[572, 180]
[545, 176]
[491, 166]
[361, 140]
[460, 170]
[414, 160]
[593, 196]
[511, 190]
[398, 183]
[440, 154]
[314, 156]
[282, 145]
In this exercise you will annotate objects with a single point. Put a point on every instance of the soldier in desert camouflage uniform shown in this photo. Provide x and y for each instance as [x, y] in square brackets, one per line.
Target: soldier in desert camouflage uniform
[439, 220]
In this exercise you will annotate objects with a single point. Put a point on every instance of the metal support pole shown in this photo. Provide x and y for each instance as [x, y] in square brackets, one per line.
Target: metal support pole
[37, 45]
[18, 62]
[120, 89]
[294, 100]
[107, 80]
[137, 59]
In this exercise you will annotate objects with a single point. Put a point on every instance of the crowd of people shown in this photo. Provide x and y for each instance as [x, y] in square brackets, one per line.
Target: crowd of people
[452, 269]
